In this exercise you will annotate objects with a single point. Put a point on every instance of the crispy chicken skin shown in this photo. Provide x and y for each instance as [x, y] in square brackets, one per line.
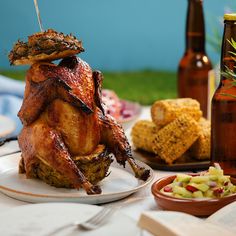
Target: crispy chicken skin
[63, 117]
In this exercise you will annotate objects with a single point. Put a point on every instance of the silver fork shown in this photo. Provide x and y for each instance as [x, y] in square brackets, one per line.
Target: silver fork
[98, 220]
[92, 223]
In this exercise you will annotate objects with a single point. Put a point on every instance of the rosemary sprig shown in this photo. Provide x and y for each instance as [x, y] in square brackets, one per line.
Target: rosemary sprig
[232, 42]
[228, 95]
[229, 73]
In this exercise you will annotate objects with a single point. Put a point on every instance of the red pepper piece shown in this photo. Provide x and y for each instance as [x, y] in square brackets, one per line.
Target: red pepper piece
[218, 191]
[167, 189]
[191, 188]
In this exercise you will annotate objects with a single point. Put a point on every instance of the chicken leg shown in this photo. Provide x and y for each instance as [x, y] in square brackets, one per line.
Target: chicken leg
[47, 145]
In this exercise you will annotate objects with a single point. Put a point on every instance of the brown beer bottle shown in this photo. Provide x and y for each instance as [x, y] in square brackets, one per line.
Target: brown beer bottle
[195, 64]
[223, 118]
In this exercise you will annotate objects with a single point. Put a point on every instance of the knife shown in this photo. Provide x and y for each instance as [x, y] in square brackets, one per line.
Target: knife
[7, 139]
[10, 153]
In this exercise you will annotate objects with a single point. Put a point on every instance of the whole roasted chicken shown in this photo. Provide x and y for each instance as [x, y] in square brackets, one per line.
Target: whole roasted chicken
[67, 139]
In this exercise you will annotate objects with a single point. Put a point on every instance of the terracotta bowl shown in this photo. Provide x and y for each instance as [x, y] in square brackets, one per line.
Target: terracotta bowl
[197, 207]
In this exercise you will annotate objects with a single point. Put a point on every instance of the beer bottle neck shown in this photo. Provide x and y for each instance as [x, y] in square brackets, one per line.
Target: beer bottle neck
[195, 28]
[227, 58]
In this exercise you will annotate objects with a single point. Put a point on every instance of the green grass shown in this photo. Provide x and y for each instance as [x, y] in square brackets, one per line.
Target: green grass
[141, 86]
[144, 86]
[19, 75]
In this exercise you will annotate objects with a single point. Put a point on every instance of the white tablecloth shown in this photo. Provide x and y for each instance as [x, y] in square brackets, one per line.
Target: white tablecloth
[132, 205]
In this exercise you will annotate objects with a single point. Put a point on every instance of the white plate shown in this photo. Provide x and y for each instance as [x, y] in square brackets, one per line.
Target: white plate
[43, 219]
[119, 184]
[7, 126]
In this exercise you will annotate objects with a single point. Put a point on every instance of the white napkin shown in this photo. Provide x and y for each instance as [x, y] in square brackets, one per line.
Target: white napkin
[11, 95]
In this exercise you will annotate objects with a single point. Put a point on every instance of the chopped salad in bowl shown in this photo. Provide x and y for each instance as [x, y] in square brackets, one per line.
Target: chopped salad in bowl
[210, 184]
[198, 194]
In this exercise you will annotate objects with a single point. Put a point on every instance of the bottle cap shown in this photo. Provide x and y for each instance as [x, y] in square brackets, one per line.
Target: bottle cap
[230, 17]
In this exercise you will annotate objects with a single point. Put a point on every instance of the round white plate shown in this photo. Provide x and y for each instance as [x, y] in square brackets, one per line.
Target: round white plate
[7, 126]
[43, 219]
[119, 184]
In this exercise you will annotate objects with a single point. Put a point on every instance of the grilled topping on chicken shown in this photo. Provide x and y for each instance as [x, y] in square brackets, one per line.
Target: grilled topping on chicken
[44, 46]
[64, 120]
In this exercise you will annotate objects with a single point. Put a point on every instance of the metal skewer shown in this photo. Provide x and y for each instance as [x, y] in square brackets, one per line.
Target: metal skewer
[38, 15]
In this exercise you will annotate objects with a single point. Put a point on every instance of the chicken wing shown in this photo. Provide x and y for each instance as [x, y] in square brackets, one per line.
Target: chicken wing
[114, 137]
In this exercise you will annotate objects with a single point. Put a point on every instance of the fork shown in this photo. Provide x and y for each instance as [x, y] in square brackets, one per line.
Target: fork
[92, 223]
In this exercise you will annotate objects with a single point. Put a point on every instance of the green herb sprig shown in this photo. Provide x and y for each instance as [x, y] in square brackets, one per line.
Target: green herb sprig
[229, 73]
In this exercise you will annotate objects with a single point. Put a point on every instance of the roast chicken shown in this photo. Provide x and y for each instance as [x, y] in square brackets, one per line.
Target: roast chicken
[67, 138]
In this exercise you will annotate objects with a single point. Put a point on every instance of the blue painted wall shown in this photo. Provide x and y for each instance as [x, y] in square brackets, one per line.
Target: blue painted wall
[117, 35]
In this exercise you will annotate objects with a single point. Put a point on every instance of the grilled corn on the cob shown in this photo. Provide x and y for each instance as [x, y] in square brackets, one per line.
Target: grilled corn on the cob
[165, 111]
[143, 135]
[201, 148]
[174, 139]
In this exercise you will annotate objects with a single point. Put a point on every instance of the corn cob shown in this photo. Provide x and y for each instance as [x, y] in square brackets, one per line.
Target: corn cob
[165, 111]
[143, 135]
[174, 139]
[201, 148]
